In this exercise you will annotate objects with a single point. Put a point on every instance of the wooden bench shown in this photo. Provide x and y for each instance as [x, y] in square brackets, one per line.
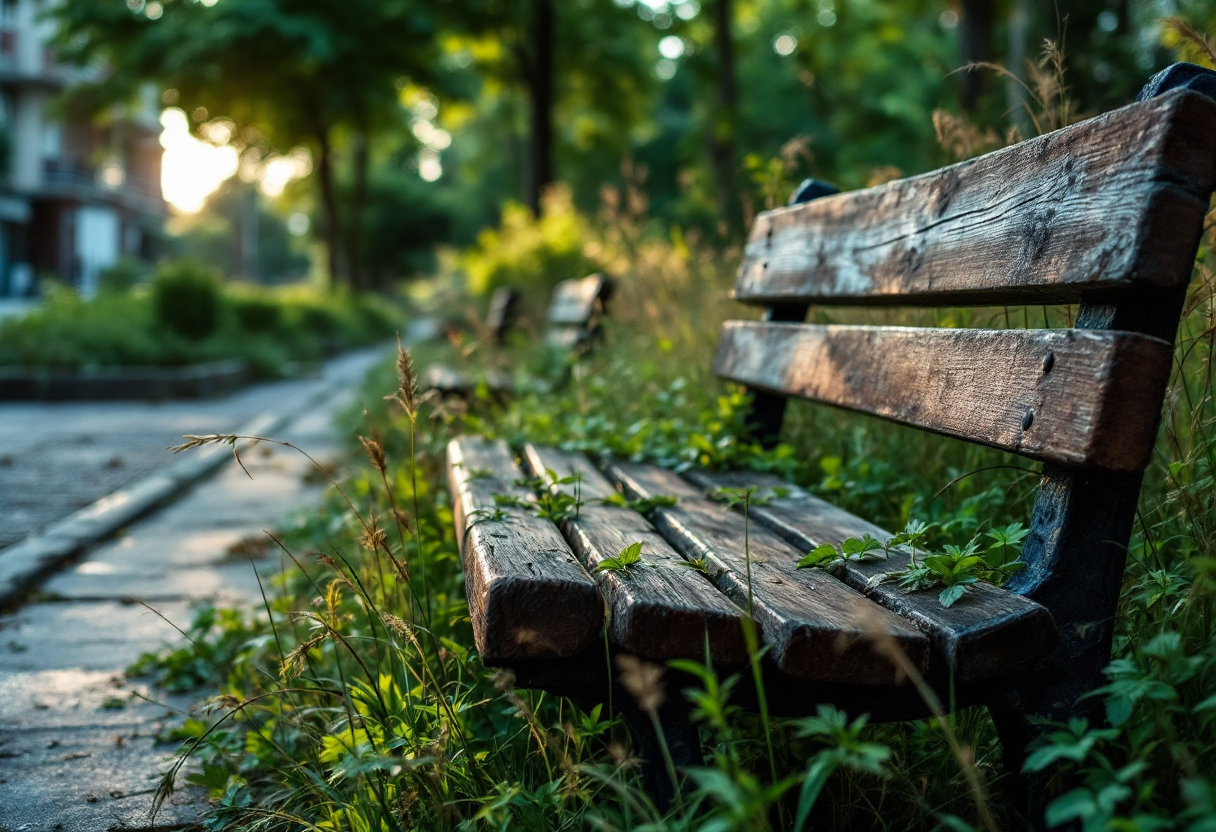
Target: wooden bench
[1107, 214]
[572, 324]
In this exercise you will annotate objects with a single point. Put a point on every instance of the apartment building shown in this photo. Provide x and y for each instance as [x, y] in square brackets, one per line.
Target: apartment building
[77, 193]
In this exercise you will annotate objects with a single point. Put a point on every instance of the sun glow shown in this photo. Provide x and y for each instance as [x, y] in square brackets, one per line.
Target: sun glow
[191, 169]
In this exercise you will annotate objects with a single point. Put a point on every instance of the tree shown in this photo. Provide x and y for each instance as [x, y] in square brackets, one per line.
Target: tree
[570, 62]
[281, 73]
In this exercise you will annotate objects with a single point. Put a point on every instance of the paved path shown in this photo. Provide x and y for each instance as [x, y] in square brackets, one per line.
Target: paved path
[56, 457]
[78, 747]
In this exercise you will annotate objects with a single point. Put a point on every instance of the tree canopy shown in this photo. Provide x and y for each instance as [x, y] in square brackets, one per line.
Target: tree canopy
[718, 104]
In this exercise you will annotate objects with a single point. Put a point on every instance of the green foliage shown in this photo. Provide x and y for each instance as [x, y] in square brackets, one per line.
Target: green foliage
[186, 300]
[267, 328]
[255, 313]
[531, 253]
[624, 560]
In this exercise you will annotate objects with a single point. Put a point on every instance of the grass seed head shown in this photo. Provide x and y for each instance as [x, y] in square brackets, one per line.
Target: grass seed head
[644, 680]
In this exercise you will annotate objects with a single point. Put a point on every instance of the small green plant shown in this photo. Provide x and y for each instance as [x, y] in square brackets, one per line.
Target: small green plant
[828, 556]
[958, 567]
[625, 560]
[552, 502]
[646, 505]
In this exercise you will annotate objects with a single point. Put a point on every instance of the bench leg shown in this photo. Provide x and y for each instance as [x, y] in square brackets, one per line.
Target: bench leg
[682, 740]
[1018, 714]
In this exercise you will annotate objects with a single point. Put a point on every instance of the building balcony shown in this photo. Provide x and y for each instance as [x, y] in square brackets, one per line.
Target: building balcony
[75, 180]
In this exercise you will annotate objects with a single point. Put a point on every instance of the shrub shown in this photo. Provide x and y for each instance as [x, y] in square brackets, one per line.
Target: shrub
[255, 313]
[186, 300]
[531, 252]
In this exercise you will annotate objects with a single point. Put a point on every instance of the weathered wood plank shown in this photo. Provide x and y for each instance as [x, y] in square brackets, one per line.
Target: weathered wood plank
[576, 301]
[566, 338]
[452, 382]
[818, 628]
[661, 609]
[1078, 397]
[1109, 203]
[989, 632]
[528, 595]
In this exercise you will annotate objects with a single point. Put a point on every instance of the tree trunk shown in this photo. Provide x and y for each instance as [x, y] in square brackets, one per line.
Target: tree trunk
[538, 75]
[975, 46]
[724, 120]
[355, 229]
[331, 229]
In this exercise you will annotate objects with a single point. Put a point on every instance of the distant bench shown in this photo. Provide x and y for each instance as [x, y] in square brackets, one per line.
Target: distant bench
[572, 324]
[1108, 214]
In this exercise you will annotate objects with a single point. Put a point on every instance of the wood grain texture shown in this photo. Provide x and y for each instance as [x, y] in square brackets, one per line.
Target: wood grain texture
[575, 302]
[1095, 403]
[1113, 202]
[990, 632]
[661, 609]
[528, 595]
[817, 627]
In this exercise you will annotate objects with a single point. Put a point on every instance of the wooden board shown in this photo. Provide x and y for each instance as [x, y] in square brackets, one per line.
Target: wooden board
[501, 315]
[989, 632]
[576, 301]
[528, 595]
[817, 627]
[565, 338]
[1109, 203]
[660, 609]
[450, 381]
[1094, 403]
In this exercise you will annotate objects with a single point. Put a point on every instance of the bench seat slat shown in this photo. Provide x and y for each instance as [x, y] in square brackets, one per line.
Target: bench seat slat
[528, 595]
[662, 610]
[565, 338]
[1082, 398]
[450, 381]
[818, 628]
[990, 632]
[1113, 202]
[575, 301]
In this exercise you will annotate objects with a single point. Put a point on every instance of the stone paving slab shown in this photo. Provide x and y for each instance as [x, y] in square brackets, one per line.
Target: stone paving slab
[56, 458]
[77, 751]
[24, 564]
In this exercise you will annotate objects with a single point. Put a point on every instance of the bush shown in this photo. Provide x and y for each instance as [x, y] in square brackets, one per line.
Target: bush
[531, 252]
[186, 300]
[255, 313]
[122, 276]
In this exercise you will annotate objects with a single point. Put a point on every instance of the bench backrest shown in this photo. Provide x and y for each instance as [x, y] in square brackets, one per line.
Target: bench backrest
[1106, 213]
[575, 311]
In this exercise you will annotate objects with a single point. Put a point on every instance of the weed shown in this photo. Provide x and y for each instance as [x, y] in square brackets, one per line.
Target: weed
[625, 560]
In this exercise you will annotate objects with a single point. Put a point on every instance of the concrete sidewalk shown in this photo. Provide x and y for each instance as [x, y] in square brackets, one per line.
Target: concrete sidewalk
[79, 746]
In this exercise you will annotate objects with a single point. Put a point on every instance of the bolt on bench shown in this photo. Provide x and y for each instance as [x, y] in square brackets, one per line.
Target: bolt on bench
[572, 324]
[1106, 213]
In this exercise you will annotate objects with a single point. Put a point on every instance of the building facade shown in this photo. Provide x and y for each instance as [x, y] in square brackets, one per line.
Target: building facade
[77, 193]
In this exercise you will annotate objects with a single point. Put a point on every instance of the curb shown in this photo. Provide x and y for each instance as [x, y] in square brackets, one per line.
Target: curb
[190, 382]
[25, 564]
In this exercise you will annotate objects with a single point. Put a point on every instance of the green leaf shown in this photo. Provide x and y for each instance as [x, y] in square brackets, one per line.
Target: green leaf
[628, 557]
[819, 557]
[951, 594]
[817, 776]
